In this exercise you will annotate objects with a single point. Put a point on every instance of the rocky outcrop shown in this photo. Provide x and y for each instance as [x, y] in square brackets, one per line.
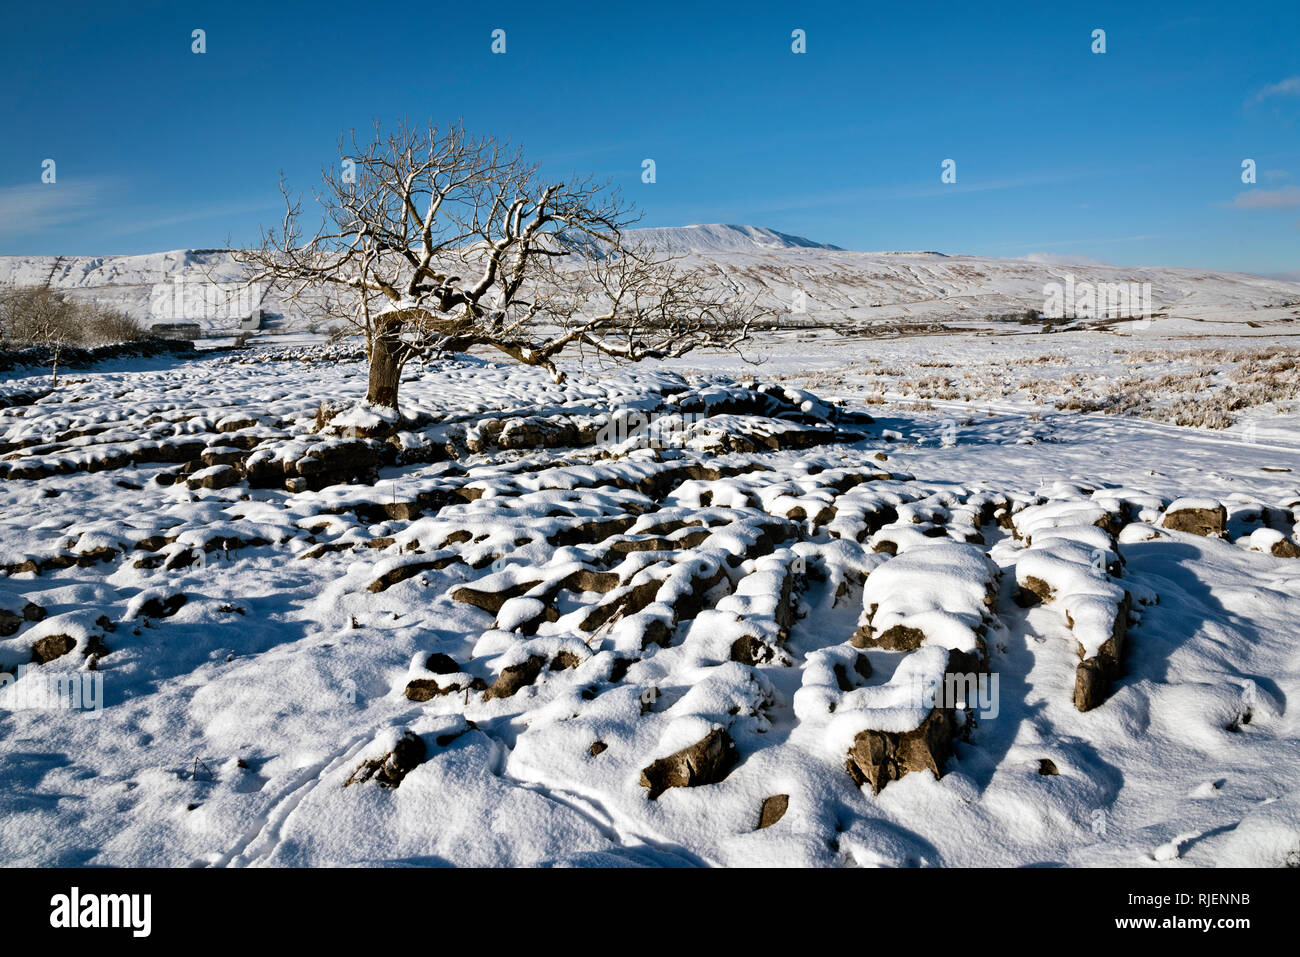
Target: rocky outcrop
[707, 761]
[163, 607]
[514, 677]
[1197, 516]
[51, 647]
[389, 770]
[878, 757]
[425, 689]
[1095, 674]
[773, 810]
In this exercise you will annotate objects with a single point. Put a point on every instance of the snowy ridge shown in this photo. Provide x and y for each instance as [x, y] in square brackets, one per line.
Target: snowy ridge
[840, 288]
[721, 237]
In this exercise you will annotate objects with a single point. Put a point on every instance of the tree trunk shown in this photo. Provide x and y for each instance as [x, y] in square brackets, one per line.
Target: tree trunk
[385, 364]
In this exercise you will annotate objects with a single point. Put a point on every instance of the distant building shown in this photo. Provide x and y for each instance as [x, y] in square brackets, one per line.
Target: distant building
[176, 330]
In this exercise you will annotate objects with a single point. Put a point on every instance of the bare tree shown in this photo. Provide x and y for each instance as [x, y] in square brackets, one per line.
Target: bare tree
[431, 240]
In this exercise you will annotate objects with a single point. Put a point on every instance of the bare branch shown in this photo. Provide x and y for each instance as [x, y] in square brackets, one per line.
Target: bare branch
[441, 242]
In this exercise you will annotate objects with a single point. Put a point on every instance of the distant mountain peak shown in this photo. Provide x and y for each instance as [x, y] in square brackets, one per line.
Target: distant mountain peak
[720, 237]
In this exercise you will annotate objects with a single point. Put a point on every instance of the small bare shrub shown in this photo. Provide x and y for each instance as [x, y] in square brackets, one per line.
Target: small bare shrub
[40, 316]
[101, 326]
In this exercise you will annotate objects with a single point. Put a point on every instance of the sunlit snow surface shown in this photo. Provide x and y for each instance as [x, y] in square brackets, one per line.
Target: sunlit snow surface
[229, 728]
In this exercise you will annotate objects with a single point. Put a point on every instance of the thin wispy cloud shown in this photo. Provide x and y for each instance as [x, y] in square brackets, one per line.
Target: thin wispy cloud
[1283, 198]
[1081, 242]
[1063, 259]
[1288, 87]
[35, 207]
[189, 216]
[839, 198]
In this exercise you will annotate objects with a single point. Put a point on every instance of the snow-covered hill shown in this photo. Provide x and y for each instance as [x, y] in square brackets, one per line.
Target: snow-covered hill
[803, 281]
[720, 238]
[130, 283]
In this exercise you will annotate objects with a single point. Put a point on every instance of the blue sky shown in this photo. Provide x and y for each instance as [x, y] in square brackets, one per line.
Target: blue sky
[1132, 156]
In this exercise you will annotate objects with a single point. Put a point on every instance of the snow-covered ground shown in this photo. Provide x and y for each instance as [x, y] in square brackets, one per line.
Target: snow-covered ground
[508, 640]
